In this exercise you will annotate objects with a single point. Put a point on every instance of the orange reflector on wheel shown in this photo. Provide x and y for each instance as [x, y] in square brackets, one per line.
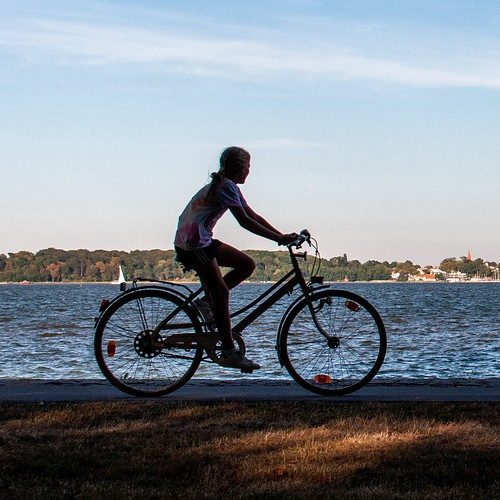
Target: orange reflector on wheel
[111, 348]
[352, 305]
[104, 304]
[322, 379]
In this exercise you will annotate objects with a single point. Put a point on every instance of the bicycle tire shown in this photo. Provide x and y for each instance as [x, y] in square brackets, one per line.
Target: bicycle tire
[349, 359]
[124, 355]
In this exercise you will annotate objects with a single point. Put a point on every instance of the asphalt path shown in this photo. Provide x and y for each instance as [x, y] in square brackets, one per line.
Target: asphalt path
[46, 391]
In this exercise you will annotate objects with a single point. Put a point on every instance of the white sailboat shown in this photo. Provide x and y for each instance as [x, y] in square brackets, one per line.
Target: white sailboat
[121, 277]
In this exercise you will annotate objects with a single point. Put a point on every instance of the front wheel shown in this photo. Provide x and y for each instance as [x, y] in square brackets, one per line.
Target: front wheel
[133, 356]
[336, 345]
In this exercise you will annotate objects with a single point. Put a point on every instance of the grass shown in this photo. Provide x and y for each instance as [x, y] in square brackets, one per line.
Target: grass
[284, 450]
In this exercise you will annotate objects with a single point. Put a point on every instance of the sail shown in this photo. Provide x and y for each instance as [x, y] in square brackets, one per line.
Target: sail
[121, 276]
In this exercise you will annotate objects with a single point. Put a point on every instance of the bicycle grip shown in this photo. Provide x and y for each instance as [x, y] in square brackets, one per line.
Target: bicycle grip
[303, 236]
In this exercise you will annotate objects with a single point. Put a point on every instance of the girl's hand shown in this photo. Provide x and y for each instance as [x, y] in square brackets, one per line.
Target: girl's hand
[286, 239]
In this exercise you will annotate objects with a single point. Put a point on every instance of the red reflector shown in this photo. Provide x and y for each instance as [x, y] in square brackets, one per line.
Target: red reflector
[322, 379]
[104, 304]
[352, 305]
[111, 348]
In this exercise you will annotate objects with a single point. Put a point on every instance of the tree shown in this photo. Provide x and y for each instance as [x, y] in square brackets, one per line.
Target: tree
[451, 265]
[3, 261]
[54, 271]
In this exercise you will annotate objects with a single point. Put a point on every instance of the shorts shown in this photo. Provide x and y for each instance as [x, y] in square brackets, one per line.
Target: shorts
[191, 259]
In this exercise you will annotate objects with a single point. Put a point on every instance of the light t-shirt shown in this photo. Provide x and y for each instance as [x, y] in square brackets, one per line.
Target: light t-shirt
[197, 221]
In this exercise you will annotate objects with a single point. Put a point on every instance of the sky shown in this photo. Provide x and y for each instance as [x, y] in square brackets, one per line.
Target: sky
[373, 123]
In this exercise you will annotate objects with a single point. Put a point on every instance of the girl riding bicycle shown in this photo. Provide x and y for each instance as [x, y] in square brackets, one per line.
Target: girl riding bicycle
[197, 249]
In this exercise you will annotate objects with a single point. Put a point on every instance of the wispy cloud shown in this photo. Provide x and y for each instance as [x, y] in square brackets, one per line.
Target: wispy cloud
[247, 58]
[285, 143]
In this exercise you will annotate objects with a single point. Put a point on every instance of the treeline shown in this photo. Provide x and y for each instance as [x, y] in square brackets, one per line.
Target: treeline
[54, 265]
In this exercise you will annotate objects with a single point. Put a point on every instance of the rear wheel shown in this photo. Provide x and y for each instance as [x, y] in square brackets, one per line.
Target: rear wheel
[132, 356]
[350, 354]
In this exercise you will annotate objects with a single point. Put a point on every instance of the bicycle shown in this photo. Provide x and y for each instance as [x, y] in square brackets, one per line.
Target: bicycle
[151, 339]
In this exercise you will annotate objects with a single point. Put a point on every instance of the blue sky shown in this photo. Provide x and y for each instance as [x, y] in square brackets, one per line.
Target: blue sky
[372, 123]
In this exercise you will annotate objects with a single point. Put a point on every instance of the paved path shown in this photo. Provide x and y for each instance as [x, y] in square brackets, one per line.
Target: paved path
[246, 390]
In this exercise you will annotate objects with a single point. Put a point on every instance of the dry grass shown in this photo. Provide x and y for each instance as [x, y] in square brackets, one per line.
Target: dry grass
[248, 450]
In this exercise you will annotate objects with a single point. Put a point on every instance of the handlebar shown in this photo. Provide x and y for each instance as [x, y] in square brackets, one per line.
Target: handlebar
[304, 236]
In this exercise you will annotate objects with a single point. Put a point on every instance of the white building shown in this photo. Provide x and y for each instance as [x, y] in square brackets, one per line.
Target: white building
[455, 277]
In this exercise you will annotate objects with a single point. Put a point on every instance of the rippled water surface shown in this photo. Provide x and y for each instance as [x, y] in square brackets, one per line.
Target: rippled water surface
[435, 330]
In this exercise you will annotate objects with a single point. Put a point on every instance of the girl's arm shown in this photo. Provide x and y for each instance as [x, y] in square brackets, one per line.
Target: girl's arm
[256, 224]
[258, 218]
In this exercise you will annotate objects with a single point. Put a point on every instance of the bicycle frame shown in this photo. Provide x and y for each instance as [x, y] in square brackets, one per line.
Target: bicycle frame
[283, 287]
[278, 290]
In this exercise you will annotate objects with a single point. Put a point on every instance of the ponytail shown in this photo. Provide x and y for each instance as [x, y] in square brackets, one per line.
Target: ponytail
[216, 176]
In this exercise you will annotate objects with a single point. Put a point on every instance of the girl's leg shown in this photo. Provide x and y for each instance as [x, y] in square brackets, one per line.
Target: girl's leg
[217, 288]
[242, 266]
[218, 292]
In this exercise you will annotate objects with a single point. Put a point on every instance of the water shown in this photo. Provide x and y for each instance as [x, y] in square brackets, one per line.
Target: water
[435, 330]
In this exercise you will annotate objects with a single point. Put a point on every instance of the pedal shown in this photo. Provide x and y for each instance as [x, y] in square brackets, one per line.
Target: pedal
[247, 370]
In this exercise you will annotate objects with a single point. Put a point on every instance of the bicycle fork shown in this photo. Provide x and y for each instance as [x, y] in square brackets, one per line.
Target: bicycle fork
[332, 340]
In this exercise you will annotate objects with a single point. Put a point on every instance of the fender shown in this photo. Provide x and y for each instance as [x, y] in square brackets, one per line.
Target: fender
[287, 313]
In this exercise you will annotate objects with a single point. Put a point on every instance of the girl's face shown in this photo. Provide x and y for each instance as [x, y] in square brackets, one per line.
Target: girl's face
[241, 176]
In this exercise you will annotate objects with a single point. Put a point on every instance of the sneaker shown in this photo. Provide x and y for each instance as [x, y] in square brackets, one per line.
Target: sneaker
[205, 310]
[232, 358]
